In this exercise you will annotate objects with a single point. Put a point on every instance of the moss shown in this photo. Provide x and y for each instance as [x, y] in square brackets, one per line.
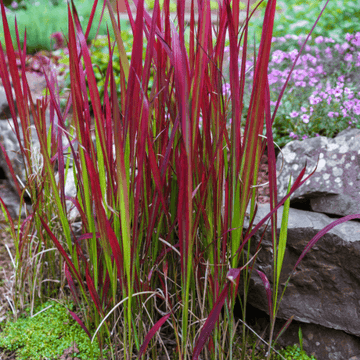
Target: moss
[47, 335]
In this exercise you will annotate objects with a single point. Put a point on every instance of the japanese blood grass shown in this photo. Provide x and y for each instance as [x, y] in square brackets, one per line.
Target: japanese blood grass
[162, 199]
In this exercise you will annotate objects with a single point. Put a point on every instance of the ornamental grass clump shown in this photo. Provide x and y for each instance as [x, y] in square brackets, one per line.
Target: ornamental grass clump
[162, 200]
[323, 96]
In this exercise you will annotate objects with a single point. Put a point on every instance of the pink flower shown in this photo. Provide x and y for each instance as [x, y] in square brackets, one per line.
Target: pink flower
[324, 95]
[328, 52]
[305, 118]
[303, 109]
[348, 37]
[226, 89]
[314, 100]
[329, 40]
[319, 40]
[337, 92]
[293, 135]
[348, 91]
[348, 57]
[278, 56]
[349, 104]
[331, 114]
[305, 137]
[14, 5]
[356, 41]
[294, 114]
[356, 109]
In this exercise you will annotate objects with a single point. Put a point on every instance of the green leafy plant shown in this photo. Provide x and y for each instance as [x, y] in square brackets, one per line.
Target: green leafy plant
[162, 184]
[49, 333]
[297, 16]
[294, 353]
[42, 18]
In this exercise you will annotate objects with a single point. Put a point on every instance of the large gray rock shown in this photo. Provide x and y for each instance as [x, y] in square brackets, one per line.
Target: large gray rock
[335, 186]
[11, 145]
[4, 105]
[325, 288]
[319, 341]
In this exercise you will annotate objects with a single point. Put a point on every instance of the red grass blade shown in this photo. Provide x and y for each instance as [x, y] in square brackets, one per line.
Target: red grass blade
[77, 319]
[282, 330]
[92, 291]
[209, 325]
[268, 293]
[71, 284]
[62, 252]
[321, 233]
[151, 334]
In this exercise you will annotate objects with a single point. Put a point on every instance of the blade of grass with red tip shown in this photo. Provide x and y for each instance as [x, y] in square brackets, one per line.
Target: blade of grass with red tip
[233, 276]
[151, 334]
[250, 157]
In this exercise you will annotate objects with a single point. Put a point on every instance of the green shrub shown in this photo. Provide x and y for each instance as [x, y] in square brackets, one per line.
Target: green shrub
[42, 19]
[297, 17]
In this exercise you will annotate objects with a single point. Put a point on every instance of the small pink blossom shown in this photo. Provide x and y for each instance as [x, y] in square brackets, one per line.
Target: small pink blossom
[319, 40]
[303, 109]
[337, 92]
[356, 41]
[305, 118]
[348, 37]
[294, 114]
[327, 40]
[328, 52]
[356, 109]
[348, 57]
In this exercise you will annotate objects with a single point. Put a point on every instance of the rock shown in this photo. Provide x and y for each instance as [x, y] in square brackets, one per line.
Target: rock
[10, 142]
[319, 341]
[70, 190]
[4, 105]
[325, 289]
[335, 186]
[12, 201]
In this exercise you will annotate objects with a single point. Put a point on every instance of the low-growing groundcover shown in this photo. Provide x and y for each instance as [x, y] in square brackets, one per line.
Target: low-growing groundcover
[323, 95]
[48, 334]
